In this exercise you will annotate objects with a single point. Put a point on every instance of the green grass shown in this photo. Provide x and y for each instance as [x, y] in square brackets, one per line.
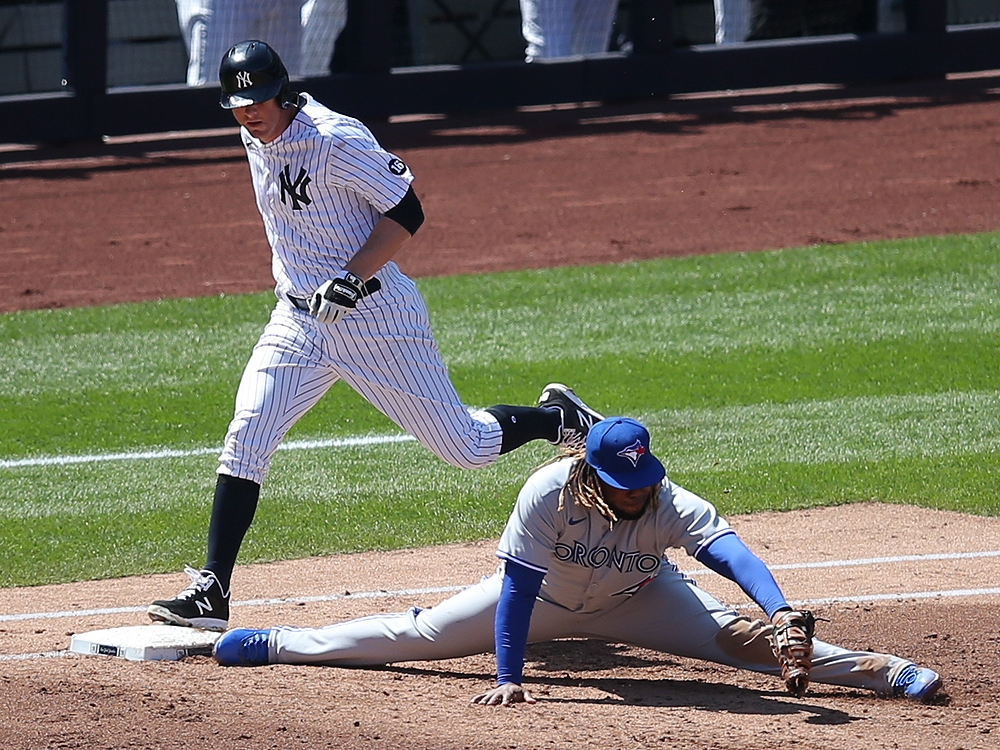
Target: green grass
[769, 381]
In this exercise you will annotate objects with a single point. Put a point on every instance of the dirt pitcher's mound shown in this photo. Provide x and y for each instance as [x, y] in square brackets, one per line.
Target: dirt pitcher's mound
[887, 578]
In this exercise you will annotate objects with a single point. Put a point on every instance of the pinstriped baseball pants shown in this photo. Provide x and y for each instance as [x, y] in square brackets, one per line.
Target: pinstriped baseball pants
[385, 351]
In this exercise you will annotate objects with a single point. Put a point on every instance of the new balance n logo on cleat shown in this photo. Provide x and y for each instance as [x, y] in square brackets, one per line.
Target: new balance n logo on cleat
[203, 604]
[577, 417]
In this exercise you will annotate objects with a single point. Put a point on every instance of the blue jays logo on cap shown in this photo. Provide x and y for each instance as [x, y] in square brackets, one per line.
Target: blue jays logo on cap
[633, 453]
[618, 449]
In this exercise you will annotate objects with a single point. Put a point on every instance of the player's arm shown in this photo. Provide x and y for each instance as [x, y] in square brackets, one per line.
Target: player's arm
[395, 227]
[337, 297]
[791, 638]
[695, 525]
[728, 556]
[510, 629]
[389, 234]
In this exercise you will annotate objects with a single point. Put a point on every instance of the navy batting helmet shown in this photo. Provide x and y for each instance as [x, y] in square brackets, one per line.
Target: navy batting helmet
[251, 73]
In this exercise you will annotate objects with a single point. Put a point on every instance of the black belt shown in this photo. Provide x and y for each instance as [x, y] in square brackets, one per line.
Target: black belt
[302, 303]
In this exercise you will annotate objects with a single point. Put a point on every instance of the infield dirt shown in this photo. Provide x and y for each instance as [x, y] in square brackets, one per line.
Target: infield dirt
[175, 217]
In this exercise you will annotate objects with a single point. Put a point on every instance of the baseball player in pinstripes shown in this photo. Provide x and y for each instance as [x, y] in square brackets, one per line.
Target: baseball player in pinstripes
[212, 26]
[560, 28]
[336, 209]
[583, 556]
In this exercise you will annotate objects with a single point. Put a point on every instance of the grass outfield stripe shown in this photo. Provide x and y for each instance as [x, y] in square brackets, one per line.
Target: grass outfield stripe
[770, 381]
[866, 428]
[857, 300]
[835, 431]
[296, 445]
[707, 323]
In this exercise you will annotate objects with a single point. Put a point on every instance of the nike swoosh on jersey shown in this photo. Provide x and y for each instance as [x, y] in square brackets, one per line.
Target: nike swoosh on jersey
[575, 521]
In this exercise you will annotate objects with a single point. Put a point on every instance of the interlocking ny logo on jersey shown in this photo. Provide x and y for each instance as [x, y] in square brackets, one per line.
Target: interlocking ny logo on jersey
[295, 190]
[243, 79]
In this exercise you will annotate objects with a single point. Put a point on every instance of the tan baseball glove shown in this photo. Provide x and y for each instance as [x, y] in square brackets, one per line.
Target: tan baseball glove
[791, 641]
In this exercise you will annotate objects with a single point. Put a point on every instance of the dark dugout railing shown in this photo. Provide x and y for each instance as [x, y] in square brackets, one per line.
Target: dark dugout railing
[655, 61]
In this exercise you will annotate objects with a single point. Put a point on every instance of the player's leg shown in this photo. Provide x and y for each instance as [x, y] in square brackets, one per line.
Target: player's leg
[547, 27]
[459, 626]
[671, 614]
[322, 23]
[732, 21]
[592, 22]
[280, 383]
[229, 22]
[192, 17]
[280, 25]
[386, 351]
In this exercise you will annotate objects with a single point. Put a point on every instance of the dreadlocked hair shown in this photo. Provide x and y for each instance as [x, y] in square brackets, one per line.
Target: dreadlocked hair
[584, 486]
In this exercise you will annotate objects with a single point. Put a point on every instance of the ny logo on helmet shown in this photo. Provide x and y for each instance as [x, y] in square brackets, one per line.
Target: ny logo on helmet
[243, 79]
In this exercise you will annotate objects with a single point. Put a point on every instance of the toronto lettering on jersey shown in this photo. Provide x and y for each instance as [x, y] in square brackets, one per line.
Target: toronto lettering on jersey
[295, 190]
[601, 557]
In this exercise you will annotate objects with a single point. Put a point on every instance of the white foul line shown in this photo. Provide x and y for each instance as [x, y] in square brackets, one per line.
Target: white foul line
[292, 445]
[383, 594]
[248, 603]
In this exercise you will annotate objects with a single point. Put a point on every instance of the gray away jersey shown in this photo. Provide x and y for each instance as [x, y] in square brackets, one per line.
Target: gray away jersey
[321, 186]
[591, 565]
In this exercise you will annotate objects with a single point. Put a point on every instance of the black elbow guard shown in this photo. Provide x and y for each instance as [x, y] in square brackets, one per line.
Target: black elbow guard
[408, 213]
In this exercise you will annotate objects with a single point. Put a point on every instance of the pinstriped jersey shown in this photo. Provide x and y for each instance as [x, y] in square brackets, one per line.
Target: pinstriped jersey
[591, 565]
[321, 186]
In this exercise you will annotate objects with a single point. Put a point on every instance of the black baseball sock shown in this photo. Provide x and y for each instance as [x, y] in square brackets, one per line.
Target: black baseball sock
[232, 513]
[522, 424]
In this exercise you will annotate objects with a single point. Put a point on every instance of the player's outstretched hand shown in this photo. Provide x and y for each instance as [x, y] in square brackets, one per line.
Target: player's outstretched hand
[334, 299]
[504, 695]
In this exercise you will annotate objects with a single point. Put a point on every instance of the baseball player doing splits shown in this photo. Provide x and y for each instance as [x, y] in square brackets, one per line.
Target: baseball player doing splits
[584, 556]
[336, 209]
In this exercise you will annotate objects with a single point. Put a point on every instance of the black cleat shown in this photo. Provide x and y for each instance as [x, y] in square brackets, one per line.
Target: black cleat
[577, 417]
[203, 604]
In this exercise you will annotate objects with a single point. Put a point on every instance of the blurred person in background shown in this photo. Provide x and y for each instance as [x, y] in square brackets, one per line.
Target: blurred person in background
[562, 28]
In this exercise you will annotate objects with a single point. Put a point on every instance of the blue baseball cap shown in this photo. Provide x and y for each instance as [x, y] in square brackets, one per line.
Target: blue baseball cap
[618, 449]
